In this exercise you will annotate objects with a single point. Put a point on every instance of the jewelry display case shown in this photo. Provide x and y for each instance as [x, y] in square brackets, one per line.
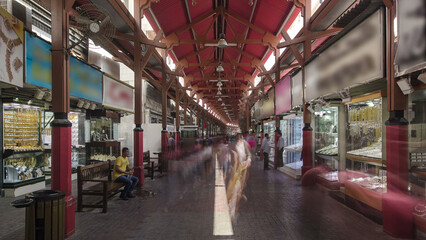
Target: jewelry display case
[326, 137]
[291, 128]
[417, 143]
[21, 127]
[103, 144]
[364, 134]
[22, 151]
[269, 128]
[78, 154]
[23, 167]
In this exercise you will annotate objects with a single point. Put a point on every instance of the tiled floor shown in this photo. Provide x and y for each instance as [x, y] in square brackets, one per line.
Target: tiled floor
[182, 207]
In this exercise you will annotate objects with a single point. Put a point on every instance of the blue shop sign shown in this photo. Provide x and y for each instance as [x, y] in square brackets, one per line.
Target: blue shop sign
[85, 81]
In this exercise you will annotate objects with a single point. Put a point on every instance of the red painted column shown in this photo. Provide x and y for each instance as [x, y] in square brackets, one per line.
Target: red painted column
[138, 131]
[397, 205]
[164, 141]
[177, 141]
[307, 148]
[276, 147]
[277, 129]
[262, 135]
[61, 127]
[138, 154]
[61, 167]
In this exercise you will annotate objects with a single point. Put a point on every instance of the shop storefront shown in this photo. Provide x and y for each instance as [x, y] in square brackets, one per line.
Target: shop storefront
[348, 137]
[290, 127]
[269, 125]
[410, 68]
[27, 115]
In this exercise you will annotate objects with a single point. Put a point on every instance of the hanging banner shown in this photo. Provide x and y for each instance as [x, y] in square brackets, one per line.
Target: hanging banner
[283, 96]
[411, 49]
[11, 49]
[355, 59]
[117, 95]
[85, 81]
[296, 90]
[268, 105]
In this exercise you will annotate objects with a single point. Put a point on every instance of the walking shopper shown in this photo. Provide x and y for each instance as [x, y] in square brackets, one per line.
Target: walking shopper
[266, 148]
[122, 173]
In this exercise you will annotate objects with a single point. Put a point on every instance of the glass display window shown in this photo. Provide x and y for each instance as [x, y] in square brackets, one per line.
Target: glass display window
[364, 129]
[269, 128]
[22, 167]
[21, 127]
[78, 156]
[102, 129]
[417, 142]
[364, 134]
[291, 129]
[103, 144]
[326, 137]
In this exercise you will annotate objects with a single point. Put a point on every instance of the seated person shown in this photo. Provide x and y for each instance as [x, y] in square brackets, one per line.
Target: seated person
[121, 170]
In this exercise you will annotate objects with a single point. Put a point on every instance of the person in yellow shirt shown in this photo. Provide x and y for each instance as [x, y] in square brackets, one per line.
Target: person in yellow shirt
[122, 173]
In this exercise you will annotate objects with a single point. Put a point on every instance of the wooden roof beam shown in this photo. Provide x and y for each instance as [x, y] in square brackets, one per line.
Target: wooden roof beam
[303, 38]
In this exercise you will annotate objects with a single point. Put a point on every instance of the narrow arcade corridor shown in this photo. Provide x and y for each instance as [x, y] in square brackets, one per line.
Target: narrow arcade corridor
[183, 207]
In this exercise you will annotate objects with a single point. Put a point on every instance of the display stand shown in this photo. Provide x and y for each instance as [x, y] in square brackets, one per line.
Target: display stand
[102, 151]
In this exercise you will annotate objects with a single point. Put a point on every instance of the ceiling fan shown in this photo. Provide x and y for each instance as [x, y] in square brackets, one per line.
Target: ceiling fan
[221, 43]
[95, 24]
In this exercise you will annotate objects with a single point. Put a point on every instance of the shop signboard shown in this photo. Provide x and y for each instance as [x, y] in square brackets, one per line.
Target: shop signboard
[268, 105]
[38, 61]
[283, 96]
[355, 59]
[106, 64]
[411, 50]
[11, 49]
[296, 90]
[118, 95]
[85, 81]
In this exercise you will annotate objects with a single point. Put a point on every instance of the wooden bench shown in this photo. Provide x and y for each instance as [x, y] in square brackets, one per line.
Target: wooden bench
[151, 165]
[148, 164]
[100, 175]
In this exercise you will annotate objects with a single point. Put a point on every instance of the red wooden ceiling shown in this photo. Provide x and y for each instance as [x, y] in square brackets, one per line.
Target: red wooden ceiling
[172, 15]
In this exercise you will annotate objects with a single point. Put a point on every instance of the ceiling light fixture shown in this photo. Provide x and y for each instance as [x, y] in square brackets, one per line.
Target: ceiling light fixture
[222, 42]
[80, 103]
[219, 68]
[86, 105]
[405, 86]
[422, 77]
[39, 94]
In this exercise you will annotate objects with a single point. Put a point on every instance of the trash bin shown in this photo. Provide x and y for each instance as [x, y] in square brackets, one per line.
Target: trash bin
[44, 215]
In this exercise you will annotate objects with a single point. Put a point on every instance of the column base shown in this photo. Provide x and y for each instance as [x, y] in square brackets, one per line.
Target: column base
[61, 167]
[164, 141]
[138, 157]
[307, 148]
[398, 220]
[69, 216]
[305, 169]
